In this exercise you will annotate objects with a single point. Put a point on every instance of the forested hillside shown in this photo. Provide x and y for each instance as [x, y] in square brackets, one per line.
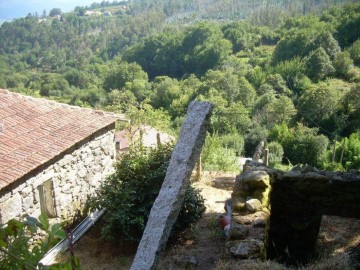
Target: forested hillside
[283, 71]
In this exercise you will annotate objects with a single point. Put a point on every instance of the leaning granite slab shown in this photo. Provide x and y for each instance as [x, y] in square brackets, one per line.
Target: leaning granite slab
[167, 205]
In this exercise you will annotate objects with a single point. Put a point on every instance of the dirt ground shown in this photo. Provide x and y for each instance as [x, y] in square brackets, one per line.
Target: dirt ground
[202, 246]
[198, 247]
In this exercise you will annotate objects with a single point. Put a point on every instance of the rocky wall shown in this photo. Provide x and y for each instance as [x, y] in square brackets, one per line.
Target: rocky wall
[298, 200]
[250, 221]
[75, 175]
[277, 215]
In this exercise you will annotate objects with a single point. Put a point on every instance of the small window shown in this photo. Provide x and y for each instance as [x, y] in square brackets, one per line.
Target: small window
[47, 202]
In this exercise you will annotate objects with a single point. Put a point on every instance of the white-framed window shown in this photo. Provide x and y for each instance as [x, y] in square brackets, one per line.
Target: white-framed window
[47, 199]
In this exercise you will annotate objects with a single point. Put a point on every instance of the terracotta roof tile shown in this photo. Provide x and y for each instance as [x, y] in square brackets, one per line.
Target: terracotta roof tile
[33, 131]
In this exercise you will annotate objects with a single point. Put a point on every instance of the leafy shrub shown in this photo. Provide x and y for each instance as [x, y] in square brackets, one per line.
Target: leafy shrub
[332, 166]
[276, 153]
[215, 157]
[234, 141]
[301, 144]
[19, 250]
[130, 192]
[351, 155]
[355, 52]
[253, 138]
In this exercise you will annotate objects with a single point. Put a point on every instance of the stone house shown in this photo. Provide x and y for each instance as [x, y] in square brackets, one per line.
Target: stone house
[52, 156]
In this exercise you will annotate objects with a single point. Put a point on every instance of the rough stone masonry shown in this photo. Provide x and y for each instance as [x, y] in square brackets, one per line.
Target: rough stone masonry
[167, 205]
[277, 215]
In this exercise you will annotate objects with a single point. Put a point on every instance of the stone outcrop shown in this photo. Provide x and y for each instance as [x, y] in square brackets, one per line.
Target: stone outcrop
[168, 204]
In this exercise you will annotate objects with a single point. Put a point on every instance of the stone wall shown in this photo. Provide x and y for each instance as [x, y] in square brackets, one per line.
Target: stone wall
[277, 215]
[298, 199]
[75, 175]
[250, 222]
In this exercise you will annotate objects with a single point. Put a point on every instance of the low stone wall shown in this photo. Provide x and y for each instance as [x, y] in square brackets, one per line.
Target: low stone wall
[75, 175]
[298, 199]
[277, 215]
[250, 221]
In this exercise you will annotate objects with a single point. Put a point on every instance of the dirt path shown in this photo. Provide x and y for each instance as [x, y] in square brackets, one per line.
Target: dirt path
[199, 247]
[203, 245]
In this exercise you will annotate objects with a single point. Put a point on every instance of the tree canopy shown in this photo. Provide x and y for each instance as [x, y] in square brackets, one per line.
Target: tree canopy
[275, 70]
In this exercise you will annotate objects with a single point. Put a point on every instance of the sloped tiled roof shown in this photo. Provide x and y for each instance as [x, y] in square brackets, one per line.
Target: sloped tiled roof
[149, 137]
[34, 131]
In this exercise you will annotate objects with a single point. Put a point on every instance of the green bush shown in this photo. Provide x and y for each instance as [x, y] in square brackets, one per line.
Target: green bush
[130, 192]
[253, 138]
[215, 157]
[234, 141]
[276, 153]
[301, 144]
[19, 250]
[332, 166]
[350, 148]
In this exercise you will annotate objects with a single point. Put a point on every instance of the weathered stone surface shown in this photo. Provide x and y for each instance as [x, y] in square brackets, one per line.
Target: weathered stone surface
[167, 205]
[240, 185]
[263, 196]
[238, 203]
[253, 205]
[11, 208]
[238, 232]
[293, 175]
[257, 233]
[239, 192]
[255, 179]
[249, 219]
[191, 260]
[26, 191]
[260, 222]
[48, 175]
[305, 168]
[82, 172]
[298, 200]
[70, 177]
[247, 249]
[95, 180]
[316, 177]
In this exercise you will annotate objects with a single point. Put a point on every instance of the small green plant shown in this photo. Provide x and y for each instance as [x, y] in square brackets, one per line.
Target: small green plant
[19, 250]
[301, 144]
[276, 153]
[234, 141]
[130, 192]
[349, 149]
[213, 225]
[215, 157]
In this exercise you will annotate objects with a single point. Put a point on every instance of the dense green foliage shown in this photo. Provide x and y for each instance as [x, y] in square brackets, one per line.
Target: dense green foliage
[263, 64]
[218, 157]
[130, 192]
[347, 154]
[301, 144]
[276, 153]
[19, 248]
